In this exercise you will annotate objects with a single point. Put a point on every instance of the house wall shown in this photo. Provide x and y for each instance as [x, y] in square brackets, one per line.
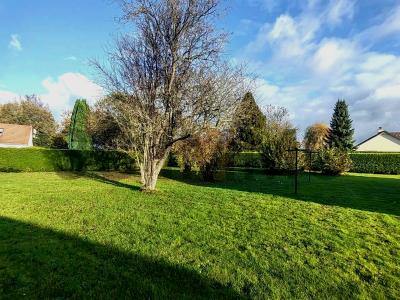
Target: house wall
[14, 146]
[30, 142]
[381, 143]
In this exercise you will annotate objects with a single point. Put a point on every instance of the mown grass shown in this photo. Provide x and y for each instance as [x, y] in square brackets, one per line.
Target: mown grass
[66, 235]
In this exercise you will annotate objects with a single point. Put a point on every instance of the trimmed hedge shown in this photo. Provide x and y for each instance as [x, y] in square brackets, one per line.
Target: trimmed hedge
[47, 160]
[244, 160]
[375, 163]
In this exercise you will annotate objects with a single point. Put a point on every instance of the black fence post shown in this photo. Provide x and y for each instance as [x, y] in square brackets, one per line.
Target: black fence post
[296, 172]
[309, 170]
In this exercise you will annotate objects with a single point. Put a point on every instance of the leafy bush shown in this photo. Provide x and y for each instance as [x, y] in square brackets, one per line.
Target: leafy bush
[333, 161]
[204, 151]
[243, 159]
[275, 156]
[173, 160]
[378, 163]
[47, 160]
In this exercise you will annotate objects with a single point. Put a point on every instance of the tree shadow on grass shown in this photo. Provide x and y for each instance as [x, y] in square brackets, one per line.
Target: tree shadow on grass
[38, 263]
[101, 177]
[111, 178]
[368, 193]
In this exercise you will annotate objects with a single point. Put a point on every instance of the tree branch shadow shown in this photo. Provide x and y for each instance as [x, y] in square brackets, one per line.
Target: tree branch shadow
[111, 178]
[103, 178]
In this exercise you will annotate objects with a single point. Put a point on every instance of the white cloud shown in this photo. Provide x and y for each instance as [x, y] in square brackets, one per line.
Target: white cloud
[333, 55]
[6, 96]
[307, 72]
[339, 10]
[389, 27]
[388, 92]
[60, 94]
[261, 40]
[15, 42]
[287, 37]
[284, 27]
[73, 58]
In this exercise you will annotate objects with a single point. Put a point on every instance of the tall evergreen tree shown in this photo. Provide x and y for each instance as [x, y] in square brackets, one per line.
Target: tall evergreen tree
[78, 135]
[248, 125]
[341, 131]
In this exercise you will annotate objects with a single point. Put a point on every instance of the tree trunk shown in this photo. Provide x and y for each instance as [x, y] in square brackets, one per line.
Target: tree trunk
[150, 168]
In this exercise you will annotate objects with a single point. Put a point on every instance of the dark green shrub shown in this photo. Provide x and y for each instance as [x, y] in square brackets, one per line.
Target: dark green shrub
[47, 160]
[248, 126]
[378, 163]
[172, 160]
[243, 160]
[275, 156]
[333, 161]
[78, 135]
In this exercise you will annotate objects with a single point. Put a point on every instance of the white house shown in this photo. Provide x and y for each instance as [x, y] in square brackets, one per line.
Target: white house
[16, 136]
[383, 141]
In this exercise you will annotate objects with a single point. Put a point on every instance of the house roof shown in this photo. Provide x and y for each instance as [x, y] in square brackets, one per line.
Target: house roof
[14, 134]
[396, 135]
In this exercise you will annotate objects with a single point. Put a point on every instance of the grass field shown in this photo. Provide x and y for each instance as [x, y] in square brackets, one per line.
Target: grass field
[66, 235]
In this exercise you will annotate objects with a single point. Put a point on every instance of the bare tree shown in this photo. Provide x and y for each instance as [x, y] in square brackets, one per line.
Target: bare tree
[169, 78]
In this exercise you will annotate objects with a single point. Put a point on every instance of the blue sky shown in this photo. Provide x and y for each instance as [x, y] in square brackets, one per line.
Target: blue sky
[306, 54]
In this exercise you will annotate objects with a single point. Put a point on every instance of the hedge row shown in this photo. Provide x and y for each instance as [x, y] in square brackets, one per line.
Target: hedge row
[34, 160]
[376, 163]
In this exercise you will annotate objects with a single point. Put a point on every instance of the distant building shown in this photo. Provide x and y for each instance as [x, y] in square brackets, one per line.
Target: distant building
[16, 136]
[382, 141]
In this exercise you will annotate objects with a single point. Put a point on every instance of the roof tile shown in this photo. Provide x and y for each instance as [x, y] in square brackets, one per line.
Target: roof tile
[395, 134]
[14, 134]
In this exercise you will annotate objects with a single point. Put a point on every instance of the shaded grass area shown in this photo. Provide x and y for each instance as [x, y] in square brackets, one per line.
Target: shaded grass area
[376, 193]
[42, 263]
[66, 235]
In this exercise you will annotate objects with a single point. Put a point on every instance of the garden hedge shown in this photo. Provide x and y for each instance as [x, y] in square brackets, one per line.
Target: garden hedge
[376, 163]
[36, 159]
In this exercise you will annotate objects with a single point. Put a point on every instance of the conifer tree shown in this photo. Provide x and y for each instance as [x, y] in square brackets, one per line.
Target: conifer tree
[78, 135]
[341, 131]
[248, 125]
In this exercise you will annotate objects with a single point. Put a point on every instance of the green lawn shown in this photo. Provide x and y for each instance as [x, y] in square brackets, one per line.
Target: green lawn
[64, 235]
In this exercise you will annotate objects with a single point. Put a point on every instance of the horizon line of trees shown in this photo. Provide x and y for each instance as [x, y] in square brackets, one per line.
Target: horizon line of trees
[267, 131]
[94, 127]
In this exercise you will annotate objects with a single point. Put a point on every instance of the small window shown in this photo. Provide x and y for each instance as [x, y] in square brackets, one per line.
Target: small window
[1, 131]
